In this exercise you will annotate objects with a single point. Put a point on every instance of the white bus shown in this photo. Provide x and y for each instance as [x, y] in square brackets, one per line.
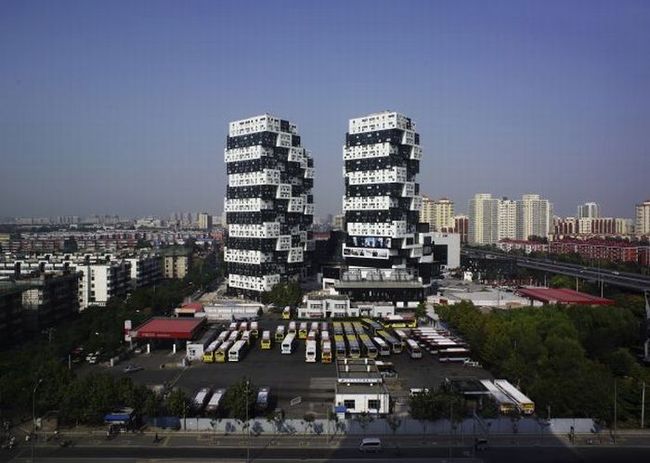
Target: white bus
[233, 326]
[255, 329]
[292, 327]
[384, 350]
[243, 326]
[287, 343]
[234, 335]
[324, 336]
[314, 327]
[237, 351]
[223, 336]
[505, 403]
[525, 405]
[413, 349]
[247, 336]
[401, 335]
[323, 326]
[201, 398]
[453, 354]
[279, 333]
[215, 401]
[310, 351]
[312, 336]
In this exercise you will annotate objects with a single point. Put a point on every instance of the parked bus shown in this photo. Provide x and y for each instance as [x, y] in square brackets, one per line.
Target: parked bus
[287, 343]
[368, 349]
[263, 397]
[246, 336]
[286, 313]
[314, 327]
[221, 354]
[453, 354]
[399, 321]
[215, 401]
[234, 335]
[233, 326]
[401, 335]
[312, 336]
[524, 404]
[353, 346]
[302, 332]
[324, 336]
[243, 326]
[310, 351]
[279, 333]
[265, 343]
[323, 326]
[505, 403]
[223, 335]
[208, 354]
[237, 351]
[382, 347]
[255, 330]
[292, 327]
[326, 352]
[200, 399]
[413, 349]
[372, 326]
[394, 344]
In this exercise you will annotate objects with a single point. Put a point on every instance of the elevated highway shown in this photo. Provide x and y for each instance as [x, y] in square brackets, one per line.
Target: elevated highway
[633, 281]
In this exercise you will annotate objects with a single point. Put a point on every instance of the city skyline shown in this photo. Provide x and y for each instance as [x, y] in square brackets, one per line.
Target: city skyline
[122, 108]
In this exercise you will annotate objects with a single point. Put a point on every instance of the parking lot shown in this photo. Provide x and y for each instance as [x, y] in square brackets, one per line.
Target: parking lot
[289, 376]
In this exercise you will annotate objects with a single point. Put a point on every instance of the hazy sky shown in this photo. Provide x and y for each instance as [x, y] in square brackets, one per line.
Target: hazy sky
[122, 107]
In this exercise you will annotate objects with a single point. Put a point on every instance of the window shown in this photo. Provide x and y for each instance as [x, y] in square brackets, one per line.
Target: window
[350, 404]
[373, 404]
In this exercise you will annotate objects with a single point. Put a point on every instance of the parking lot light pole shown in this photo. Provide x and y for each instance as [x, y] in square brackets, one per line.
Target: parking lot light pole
[33, 436]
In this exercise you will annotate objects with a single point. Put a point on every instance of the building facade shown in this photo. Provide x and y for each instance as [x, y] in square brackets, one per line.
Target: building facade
[382, 202]
[588, 211]
[204, 221]
[269, 205]
[642, 223]
[534, 217]
[483, 219]
[439, 214]
[507, 219]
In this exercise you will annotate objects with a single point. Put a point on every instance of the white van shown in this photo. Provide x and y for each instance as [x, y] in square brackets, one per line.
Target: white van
[370, 445]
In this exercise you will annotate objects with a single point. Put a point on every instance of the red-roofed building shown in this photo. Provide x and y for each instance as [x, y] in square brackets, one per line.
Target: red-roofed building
[189, 309]
[181, 329]
[561, 296]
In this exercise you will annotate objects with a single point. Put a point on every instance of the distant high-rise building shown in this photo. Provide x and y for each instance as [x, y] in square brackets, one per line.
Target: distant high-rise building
[483, 219]
[534, 216]
[204, 221]
[507, 219]
[269, 205]
[642, 223]
[588, 211]
[461, 226]
[439, 214]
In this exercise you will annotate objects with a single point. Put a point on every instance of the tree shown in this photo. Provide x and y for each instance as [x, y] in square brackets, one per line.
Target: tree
[239, 400]
[364, 419]
[421, 310]
[284, 294]
[394, 422]
[177, 403]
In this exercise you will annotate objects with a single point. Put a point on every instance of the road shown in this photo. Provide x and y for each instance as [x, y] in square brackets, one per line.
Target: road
[206, 447]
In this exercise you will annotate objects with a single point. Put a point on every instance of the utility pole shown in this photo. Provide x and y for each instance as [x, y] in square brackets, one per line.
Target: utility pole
[643, 405]
[33, 436]
[248, 428]
[615, 412]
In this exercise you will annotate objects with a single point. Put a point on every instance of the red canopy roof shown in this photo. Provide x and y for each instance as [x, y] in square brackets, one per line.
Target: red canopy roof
[168, 328]
[562, 296]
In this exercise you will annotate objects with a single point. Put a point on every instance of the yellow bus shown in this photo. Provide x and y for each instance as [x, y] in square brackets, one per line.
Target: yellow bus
[221, 354]
[302, 331]
[265, 343]
[279, 333]
[286, 313]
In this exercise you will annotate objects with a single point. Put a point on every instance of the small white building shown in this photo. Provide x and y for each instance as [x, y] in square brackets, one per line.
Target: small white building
[321, 304]
[360, 387]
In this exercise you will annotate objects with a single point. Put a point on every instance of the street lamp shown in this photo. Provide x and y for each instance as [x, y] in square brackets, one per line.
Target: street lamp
[33, 436]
